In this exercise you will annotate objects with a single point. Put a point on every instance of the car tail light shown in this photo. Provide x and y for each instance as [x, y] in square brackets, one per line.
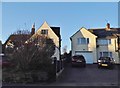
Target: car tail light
[114, 60]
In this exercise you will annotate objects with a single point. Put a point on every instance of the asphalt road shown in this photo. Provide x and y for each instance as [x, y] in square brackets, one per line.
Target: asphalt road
[89, 76]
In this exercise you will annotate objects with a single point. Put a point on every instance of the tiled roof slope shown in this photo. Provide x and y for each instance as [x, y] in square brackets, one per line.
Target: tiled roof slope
[102, 33]
[18, 38]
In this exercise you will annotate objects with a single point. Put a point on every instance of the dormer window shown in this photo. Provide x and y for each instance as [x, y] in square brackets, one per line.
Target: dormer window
[44, 31]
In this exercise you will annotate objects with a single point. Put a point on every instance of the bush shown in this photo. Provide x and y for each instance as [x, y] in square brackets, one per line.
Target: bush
[31, 59]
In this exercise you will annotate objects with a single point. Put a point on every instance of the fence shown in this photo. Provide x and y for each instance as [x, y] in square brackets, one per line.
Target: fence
[58, 65]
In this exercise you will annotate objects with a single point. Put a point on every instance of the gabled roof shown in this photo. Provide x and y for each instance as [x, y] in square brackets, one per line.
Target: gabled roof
[76, 32]
[56, 30]
[103, 33]
[79, 30]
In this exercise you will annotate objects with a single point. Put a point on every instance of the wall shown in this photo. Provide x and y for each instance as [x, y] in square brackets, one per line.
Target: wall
[88, 47]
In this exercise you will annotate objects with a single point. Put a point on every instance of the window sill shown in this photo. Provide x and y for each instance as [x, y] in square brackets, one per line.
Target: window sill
[82, 44]
[104, 44]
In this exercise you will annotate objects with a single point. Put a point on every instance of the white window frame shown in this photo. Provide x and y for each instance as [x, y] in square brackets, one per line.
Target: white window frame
[44, 31]
[80, 41]
[103, 41]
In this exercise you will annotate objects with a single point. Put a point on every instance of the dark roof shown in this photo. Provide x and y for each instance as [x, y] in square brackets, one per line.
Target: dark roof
[56, 31]
[18, 38]
[102, 33]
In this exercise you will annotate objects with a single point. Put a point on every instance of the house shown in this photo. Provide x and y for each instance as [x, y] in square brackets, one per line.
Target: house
[54, 34]
[19, 38]
[51, 32]
[94, 43]
[84, 42]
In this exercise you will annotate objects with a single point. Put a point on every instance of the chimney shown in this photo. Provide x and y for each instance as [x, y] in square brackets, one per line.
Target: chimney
[107, 27]
[33, 29]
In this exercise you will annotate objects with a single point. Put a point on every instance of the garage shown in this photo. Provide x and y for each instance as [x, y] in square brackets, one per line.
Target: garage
[87, 54]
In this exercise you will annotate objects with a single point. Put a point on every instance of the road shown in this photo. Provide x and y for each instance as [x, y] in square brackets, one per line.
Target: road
[91, 76]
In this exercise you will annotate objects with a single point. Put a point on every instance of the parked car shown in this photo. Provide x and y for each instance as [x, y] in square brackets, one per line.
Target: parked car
[78, 60]
[105, 62]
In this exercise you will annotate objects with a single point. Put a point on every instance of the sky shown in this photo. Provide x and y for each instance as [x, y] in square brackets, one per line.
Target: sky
[69, 16]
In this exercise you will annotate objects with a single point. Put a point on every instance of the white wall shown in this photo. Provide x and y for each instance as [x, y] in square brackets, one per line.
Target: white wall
[84, 47]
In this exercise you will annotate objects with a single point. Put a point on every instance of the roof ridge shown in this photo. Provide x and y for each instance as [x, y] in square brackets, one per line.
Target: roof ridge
[101, 28]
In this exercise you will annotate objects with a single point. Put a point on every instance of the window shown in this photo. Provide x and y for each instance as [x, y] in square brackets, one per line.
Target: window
[104, 41]
[83, 40]
[44, 31]
[105, 54]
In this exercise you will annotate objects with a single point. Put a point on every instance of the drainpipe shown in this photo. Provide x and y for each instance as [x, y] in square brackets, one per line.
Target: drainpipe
[118, 40]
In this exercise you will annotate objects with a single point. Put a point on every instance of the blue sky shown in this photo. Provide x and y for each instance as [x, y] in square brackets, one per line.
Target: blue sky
[69, 16]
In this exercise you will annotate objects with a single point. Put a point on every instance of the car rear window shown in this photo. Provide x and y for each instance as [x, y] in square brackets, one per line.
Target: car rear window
[79, 57]
[105, 58]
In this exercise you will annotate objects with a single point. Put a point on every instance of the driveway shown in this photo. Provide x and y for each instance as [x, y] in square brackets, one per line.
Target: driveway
[89, 76]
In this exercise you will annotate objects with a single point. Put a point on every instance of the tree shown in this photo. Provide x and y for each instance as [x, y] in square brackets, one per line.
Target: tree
[15, 40]
[21, 32]
[33, 55]
[65, 49]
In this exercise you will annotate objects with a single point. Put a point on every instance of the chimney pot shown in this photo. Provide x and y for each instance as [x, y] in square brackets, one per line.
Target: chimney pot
[33, 29]
[108, 27]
